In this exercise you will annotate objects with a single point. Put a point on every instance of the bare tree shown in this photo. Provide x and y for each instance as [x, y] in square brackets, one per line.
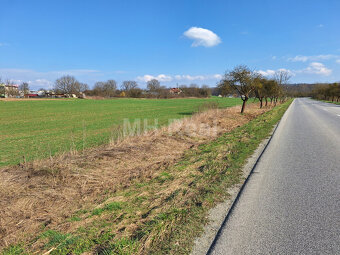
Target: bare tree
[99, 87]
[153, 85]
[205, 91]
[24, 87]
[110, 88]
[131, 89]
[65, 84]
[83, 86]
[69, 85]
[107, 89]
[128, 85]
[282, 77]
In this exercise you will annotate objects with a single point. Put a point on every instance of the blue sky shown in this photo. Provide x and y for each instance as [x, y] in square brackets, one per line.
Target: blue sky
[175, 41]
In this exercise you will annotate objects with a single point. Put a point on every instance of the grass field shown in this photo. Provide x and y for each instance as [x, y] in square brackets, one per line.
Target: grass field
[38, 129]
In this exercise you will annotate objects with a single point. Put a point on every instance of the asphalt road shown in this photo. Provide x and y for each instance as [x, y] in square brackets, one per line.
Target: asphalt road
[291, 203]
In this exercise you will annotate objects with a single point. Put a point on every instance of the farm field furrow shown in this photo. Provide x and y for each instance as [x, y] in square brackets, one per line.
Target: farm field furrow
[38, 129]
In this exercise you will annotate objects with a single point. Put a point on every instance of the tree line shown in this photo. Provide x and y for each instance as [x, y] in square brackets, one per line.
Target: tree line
[321, 91]
[69, 85]
[240, 82]
[330, 92]
[247, 83]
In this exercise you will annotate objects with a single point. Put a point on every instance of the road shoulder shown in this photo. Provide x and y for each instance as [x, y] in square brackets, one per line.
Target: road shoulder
[218, 215]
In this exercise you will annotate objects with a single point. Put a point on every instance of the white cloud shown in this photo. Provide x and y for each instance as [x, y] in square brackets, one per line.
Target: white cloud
[16, 82]
[3, 44]
[338, 61]
[202, 37]
[286, 70]
[15, 71]
[320, 26]
[217, 76]
[313, 68]
[42, 83]
[179, 77]
[301, 58]
[298, 58]
[317, 68]
[267, 72]
[35, 83]
[38, 79]
[160, 77]
[190, 77]
[198, 77]
[75, 72]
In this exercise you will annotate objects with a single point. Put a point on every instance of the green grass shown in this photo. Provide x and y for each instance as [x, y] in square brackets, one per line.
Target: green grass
[114, 206]
[38, 129]
[334, 102]
[166, 222]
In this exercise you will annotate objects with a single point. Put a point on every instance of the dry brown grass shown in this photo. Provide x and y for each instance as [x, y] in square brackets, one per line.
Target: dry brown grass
[47, 192]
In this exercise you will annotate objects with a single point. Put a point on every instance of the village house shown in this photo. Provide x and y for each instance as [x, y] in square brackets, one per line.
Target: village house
[175, 91]
[9, 90]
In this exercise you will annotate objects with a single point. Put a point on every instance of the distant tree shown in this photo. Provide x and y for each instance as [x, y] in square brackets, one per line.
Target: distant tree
[329, 92]
[128, 85]
[106, 89]
[153, 85]
[205, 91]
[136, 92]
[24, 87]
[65, 84]
[110, 88]
[69, 85]
[131, 89]
[281, 77]
[82, 87]
[98, 88]
[193, 90]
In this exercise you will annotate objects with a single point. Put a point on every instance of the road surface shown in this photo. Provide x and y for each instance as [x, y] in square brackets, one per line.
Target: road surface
[291, 203]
